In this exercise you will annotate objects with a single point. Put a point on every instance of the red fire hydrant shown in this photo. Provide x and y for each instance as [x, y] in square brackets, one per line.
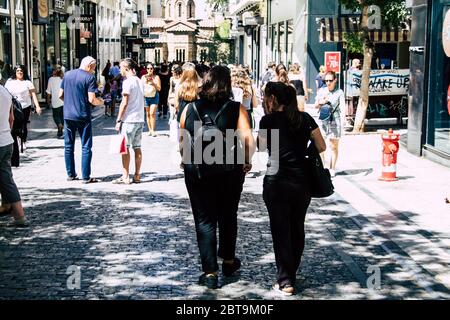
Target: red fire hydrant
[389, 162]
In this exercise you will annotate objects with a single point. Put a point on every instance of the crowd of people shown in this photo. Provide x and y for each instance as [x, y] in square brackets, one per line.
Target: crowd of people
[214, 96]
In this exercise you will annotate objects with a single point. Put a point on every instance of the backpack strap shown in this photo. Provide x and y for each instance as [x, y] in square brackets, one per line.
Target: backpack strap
[194, 107]
[220, 111]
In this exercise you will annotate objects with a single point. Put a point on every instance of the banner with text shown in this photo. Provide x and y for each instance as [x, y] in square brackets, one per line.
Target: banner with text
[382, 82]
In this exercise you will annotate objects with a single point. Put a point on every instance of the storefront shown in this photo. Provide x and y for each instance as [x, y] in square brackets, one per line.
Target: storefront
[13, 49]
[429, 134]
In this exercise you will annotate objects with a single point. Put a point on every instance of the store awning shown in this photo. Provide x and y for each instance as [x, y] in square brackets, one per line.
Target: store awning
[243, 6]
[334, 30]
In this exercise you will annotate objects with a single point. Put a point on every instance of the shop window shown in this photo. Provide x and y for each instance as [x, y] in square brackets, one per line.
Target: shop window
[20, 41]
[149, 8]
[282, 41]
[64, 43]
[290, 41]
[4, 6]
[275, 42]
[439, 102]
[5, 48]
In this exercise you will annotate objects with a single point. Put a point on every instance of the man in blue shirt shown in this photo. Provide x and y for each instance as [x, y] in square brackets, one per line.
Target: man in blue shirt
[78, 93]
[115, 70]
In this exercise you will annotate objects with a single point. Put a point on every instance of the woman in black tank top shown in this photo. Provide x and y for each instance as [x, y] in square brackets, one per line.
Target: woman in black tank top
[215, 194]
[286, 190]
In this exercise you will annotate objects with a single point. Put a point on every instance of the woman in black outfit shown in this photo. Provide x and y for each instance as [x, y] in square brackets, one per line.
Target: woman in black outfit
[285, 132]
[215, 196]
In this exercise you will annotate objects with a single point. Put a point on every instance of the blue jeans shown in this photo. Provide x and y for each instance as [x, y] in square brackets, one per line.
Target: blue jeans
[84, 129]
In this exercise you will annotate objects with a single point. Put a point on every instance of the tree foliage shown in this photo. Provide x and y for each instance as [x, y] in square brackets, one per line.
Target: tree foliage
[218, 4]
[393, 12]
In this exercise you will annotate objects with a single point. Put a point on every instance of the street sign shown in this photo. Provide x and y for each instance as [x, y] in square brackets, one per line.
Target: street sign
[144, 32]
[333, 61]
[148, 46]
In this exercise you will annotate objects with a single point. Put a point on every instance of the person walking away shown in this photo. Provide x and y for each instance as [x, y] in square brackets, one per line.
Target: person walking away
[131, 119]
[332, 128]
[78, 90]
[244, 92]
[114, 71]
[54, 84]
[286, 189]
[20, 86]
[152, 86]
[105, 71]
[11, 203]
[188, 89]
[215, 195]
[177, 71]
[164, 77]
[298, 80]
[107, 98]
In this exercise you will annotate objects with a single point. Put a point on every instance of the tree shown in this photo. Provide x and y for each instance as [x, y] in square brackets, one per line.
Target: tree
[387, 13]
[218, 4]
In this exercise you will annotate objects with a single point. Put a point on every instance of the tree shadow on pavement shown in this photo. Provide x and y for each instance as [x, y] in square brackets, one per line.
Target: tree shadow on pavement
[139, 244]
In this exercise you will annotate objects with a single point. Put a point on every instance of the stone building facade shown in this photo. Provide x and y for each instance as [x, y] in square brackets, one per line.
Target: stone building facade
[184, 32]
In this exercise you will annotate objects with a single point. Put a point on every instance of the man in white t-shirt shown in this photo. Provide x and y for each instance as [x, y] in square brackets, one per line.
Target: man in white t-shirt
[54, 84]
[11, 202]
[130, 119]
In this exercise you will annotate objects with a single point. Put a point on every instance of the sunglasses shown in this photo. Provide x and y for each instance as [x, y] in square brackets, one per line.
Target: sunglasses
[19, 70]
[329, 81]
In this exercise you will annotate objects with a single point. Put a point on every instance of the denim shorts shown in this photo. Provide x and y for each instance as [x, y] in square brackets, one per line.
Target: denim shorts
[133, 134]
[152, 101]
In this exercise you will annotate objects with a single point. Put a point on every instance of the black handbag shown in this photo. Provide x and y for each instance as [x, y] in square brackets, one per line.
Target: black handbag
[320, 178]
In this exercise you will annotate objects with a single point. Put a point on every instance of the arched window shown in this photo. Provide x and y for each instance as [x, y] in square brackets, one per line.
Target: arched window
[179, 10]
[191, 9]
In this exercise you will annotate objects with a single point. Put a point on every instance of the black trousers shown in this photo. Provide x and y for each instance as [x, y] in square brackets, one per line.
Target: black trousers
[215, 202]
[287, 202]
[26, 115]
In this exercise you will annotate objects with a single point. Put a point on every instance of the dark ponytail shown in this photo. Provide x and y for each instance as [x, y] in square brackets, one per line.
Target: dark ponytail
[286, 96]
[291, 108]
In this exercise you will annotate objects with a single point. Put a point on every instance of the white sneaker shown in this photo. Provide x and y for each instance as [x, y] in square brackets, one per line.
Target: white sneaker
[332, 173]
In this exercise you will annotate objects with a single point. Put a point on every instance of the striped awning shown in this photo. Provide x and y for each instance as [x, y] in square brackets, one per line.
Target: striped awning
[334, 30]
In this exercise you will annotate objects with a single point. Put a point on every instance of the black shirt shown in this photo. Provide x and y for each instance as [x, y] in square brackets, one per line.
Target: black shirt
[287, 159]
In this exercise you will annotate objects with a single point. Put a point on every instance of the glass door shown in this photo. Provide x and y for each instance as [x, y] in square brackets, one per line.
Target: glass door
[439, 106]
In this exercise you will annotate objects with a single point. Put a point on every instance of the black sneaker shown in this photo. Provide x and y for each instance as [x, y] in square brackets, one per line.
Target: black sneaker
[229, 268]
[72, 178]
[210, 281]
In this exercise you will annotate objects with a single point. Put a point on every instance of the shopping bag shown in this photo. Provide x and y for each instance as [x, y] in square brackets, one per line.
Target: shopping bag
[118, 144]
[173, 128]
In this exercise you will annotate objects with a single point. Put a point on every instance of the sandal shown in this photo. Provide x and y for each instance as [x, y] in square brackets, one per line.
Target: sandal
[121, 180]
[137, 178]
[285, 289]
[90, 180]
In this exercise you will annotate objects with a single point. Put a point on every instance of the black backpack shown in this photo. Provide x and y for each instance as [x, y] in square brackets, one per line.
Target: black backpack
[19, 117]
[204, 137]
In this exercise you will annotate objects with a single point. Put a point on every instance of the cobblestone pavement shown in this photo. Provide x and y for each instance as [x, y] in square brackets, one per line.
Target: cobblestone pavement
[138, 241]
